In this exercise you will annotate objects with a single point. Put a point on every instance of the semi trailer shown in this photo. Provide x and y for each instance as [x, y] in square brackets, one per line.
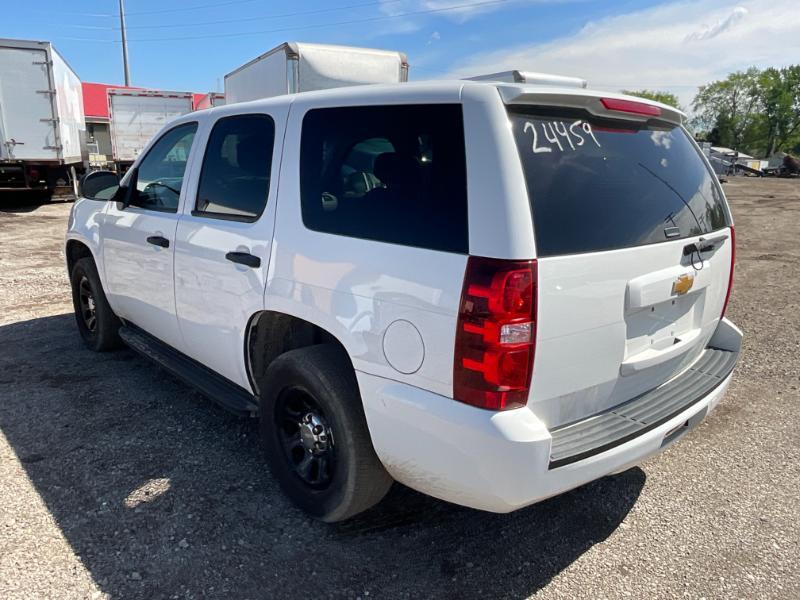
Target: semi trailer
[299, 67]
[42, 125]
[135, 116]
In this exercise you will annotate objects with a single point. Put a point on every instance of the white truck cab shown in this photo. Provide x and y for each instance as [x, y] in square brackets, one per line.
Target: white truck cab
[492, 292]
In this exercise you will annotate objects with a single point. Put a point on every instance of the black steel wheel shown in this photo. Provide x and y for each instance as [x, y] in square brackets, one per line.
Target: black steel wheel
[88, 308]
[306, 437]
[97, 323]
[315, 434]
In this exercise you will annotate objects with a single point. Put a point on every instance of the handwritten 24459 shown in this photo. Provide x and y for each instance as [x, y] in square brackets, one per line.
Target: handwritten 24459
[559, 136]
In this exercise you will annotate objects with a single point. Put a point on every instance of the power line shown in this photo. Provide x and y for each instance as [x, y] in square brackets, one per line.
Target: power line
[166, 10]
[302, 27]
[241, 20]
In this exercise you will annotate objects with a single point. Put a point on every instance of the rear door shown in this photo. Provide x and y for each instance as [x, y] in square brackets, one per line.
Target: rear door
[634, 255]
[26, 106]
[224, 239]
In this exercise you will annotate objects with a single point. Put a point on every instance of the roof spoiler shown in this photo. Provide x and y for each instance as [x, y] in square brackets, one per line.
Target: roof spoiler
[531, 77]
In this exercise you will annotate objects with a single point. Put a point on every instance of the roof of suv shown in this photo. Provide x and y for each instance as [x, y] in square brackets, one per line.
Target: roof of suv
[511, 93]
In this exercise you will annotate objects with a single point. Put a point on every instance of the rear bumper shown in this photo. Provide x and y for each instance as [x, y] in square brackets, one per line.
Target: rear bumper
[502, 461]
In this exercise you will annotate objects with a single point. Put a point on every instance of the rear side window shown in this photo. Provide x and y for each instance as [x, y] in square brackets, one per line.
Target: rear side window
[598, 184]
[234, 182]
[394, 174]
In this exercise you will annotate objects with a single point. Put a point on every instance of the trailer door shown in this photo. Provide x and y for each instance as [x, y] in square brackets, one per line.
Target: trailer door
[26, 106]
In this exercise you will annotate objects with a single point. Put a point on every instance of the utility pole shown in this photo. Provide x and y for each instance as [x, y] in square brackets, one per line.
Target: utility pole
[124, 43]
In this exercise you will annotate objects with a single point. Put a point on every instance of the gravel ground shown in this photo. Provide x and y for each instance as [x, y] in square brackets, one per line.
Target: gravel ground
[119, 481]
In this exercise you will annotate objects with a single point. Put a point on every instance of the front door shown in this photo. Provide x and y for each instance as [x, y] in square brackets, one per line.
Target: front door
[139, 239]
[222, 245]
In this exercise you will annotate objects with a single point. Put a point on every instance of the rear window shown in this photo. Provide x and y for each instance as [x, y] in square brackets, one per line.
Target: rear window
[393, 174]
[598, 184]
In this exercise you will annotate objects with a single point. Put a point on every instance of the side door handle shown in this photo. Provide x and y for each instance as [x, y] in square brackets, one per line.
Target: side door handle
[244, 258]
[158, 240]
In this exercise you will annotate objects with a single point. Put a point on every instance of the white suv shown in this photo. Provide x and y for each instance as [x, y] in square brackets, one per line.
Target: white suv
[489, 292]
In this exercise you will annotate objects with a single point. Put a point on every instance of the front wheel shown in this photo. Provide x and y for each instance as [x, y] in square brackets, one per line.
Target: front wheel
[316, 437]
[97, 323]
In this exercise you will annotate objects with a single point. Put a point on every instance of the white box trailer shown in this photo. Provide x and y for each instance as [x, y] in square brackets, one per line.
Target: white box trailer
[137, 115]
[299, 67]
[42, 126]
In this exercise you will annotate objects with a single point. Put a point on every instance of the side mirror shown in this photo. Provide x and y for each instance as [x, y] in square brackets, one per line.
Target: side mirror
[99, 185]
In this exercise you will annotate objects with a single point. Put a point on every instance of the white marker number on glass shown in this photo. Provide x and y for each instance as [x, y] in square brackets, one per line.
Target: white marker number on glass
[536, 148]
[560, 136]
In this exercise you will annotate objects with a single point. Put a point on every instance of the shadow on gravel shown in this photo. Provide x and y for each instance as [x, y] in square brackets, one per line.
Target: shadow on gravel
[161, 494]
[23, 202]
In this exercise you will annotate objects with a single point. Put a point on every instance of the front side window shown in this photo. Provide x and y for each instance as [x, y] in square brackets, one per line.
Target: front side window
[159, 177]
[394, 174]
[234, 182]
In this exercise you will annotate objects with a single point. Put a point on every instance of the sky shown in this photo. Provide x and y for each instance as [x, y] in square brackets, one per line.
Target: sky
[614, 44]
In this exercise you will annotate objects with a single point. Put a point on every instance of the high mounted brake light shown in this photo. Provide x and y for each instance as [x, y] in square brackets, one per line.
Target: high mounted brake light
[496, 333]
[630, 106]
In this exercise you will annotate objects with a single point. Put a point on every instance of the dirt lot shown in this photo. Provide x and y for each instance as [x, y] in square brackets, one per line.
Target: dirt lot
[118, 481]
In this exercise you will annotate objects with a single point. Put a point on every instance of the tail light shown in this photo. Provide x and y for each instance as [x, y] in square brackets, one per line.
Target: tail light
[496, 333]
[730, 277]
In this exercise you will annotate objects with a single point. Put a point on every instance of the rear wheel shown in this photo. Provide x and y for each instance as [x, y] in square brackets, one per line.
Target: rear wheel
[316, 437]
[97, 323]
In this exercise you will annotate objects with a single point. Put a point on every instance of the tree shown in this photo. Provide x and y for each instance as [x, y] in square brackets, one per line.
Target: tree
[779, 94]
[733, 104]
[663, 97]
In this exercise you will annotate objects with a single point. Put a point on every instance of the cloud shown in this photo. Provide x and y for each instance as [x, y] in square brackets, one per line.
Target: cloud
[706, 33]
[650, 48]
[459, 11]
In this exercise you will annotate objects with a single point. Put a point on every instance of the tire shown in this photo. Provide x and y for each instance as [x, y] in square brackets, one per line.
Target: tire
[99, 333]
[319, 381]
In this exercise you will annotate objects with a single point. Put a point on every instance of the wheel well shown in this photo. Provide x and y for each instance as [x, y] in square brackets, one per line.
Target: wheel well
[75, 251]
[271, 334]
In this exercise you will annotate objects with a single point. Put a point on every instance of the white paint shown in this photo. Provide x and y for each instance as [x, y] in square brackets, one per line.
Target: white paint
[41, 104]
[403, 347]
[486, 460]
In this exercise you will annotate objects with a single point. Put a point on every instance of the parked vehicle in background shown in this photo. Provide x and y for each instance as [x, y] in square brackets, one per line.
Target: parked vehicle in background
[41, 119]
[137, 115]
[210, 100]
[299, 67]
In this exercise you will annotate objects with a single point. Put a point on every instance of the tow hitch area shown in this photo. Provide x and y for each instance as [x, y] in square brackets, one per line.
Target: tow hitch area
[685, 427]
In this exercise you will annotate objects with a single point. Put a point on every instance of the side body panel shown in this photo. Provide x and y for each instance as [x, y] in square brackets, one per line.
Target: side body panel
[69, 104]
[357, 289]
[300, 67]
[263, 77]
[324, 67]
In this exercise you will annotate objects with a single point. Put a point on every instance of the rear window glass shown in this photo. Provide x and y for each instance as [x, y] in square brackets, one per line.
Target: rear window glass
[393, 174]
[598, 184]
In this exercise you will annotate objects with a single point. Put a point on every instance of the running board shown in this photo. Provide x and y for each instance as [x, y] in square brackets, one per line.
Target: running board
[212, 385]
[619, 424]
